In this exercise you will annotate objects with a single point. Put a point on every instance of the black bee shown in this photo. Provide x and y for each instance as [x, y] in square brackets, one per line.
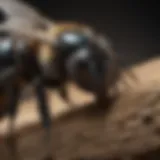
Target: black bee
[83, 57]
[36, 50]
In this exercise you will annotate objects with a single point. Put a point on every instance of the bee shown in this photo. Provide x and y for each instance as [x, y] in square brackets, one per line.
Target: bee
[45, 53]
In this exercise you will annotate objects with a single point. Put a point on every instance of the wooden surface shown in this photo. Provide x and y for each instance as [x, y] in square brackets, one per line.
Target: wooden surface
[28, 121]
[89, 132]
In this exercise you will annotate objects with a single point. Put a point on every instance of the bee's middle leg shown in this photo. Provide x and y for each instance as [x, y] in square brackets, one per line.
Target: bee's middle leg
[45, 115]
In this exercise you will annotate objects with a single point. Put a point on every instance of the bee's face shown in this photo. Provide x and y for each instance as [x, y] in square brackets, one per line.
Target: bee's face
[66, 38]
[82, 56]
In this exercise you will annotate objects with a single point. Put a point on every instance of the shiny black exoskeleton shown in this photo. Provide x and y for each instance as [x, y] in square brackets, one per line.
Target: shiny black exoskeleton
[15, 54]
[83, 60]
[18, 67]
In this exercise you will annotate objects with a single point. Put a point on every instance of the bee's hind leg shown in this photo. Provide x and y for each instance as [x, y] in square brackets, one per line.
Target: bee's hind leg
[45, 117]
[14, 94]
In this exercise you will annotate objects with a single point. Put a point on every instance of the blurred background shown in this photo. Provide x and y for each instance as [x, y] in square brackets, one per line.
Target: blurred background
[132, 25]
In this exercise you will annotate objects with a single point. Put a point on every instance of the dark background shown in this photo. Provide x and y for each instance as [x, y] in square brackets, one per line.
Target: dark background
[133, 25]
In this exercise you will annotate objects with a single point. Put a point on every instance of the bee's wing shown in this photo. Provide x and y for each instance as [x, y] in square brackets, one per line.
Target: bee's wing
[16, 9]
[23, 19]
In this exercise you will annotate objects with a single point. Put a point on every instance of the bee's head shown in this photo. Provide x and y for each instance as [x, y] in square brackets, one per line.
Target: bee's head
[84, 57]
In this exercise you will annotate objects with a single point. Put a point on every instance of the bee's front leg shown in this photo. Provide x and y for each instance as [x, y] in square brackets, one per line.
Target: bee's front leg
[45, 115]
[13, 93]
[63, 92]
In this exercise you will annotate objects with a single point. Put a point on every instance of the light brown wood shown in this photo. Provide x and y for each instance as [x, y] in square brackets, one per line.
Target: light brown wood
[130, 127]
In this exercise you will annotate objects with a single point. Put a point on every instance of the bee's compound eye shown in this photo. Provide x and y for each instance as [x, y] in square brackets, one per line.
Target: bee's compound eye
[72, 40]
